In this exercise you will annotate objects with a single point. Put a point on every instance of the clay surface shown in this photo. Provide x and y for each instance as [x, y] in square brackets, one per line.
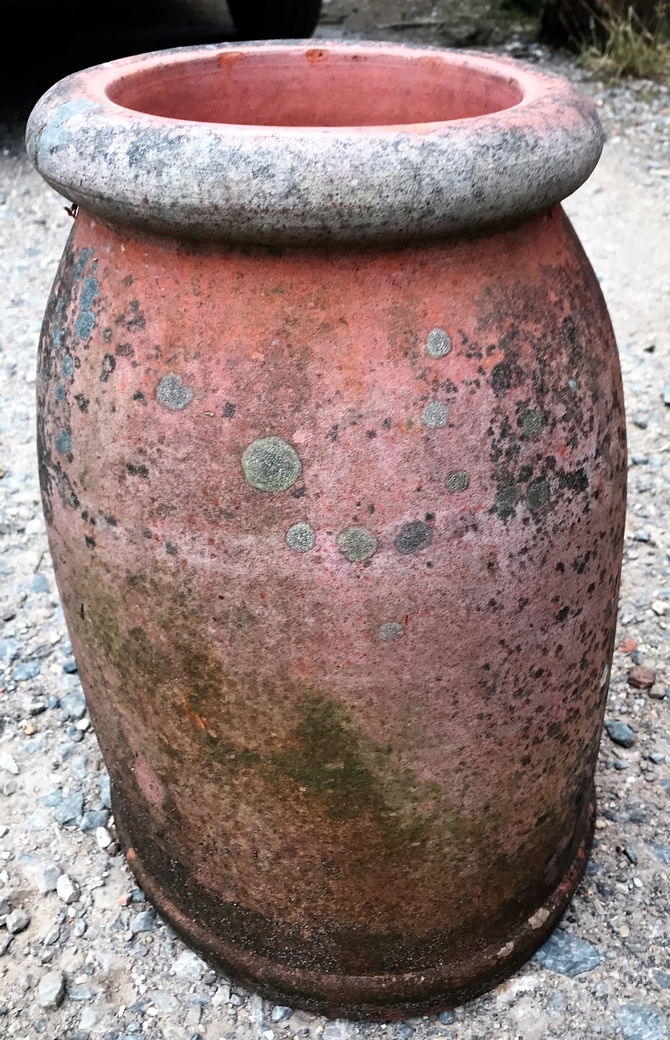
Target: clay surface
[347, 659]
[308, 143]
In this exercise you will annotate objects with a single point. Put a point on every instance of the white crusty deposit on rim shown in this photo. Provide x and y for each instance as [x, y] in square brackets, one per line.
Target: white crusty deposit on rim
[275, 185]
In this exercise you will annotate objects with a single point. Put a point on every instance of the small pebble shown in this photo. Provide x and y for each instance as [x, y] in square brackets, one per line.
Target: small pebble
[8, 763]
[639, 1021]
[46, 878]
[568, 955]
[620, 733]
[17, 921]
[70, 809]
[641, 677]
[73, 706]
[51, 989]
[67, 889]
[145, 921]
[94, 819]
[103, 837]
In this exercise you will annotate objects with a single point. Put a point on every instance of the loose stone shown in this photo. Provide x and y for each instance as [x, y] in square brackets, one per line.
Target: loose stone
[67, 889]
[188, 963]
[17, 921]
[620, 733]
[641, 677]
[638, 1021]
[24, 672]
[70, 809]
[46, 878]
[145, 921]
[51, 989]
[73, 706]
[94, 819]
[567, 955]
[103, 837]
[8, 764]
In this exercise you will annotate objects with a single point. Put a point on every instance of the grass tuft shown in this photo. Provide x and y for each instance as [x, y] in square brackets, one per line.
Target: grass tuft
[628, 47]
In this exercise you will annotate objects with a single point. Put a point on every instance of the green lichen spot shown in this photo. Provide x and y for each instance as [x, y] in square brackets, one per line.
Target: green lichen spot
[459, 480]
[505, 501]
[537, 494]
[301, 537]
[357, 543]
[64, 442]
[270, 464]
[531, 424]
[438, 343]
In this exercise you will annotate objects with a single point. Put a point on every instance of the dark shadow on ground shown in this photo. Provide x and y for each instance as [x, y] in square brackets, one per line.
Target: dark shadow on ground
[44, 40]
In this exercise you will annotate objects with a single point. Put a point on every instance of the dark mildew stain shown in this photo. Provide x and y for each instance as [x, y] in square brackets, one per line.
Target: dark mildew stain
[107, 367]
[537, 493]
[505, 501]
[412, 537]
[531, 424]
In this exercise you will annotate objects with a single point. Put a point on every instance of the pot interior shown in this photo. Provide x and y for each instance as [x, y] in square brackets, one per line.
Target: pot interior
[315, 87]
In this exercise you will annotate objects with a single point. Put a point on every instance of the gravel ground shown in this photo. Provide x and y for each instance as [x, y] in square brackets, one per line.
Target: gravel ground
[81, 953]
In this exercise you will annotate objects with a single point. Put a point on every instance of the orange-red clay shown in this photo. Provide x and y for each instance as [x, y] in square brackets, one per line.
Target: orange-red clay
[333, 460]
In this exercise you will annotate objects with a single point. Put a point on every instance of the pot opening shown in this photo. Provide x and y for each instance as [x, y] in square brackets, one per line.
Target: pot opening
[315, 87]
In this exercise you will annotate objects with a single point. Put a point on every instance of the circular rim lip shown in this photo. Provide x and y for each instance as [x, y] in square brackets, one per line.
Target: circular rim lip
[102, 77]
[270, 184]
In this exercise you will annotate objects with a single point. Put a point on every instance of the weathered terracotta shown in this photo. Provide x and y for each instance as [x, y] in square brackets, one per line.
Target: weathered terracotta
[333, 461]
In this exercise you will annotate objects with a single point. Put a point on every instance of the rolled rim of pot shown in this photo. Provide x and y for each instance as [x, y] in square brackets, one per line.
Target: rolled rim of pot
[292, 143]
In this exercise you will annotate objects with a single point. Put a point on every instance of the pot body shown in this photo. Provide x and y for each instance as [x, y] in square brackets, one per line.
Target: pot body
[338, 536]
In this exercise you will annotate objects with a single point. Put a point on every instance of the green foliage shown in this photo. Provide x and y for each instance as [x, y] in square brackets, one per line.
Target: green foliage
[629, 47]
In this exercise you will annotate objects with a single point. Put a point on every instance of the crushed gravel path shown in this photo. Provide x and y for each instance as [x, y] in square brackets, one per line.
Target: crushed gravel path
[81, 953]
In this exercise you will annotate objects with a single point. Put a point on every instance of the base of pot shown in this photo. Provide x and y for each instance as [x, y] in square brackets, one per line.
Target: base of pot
[380, 997]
